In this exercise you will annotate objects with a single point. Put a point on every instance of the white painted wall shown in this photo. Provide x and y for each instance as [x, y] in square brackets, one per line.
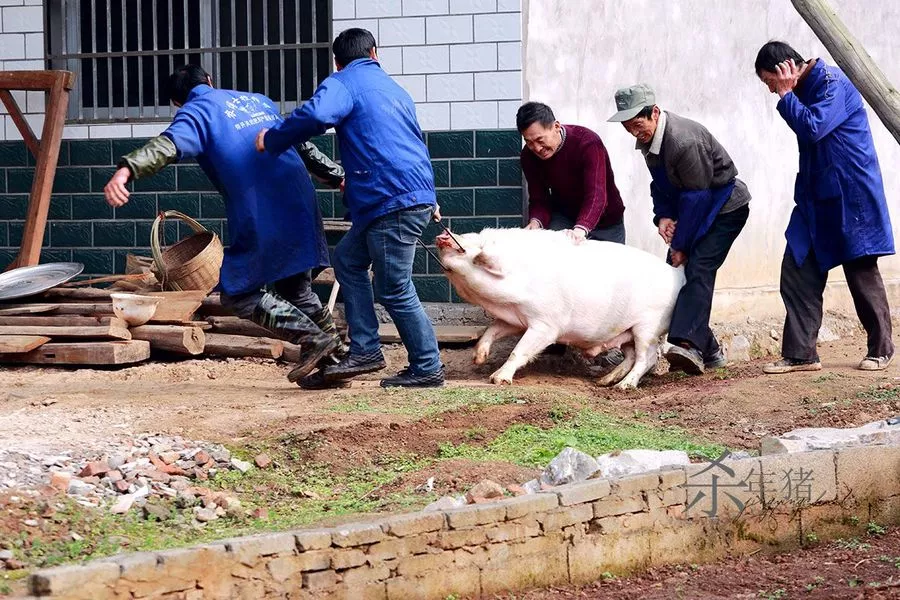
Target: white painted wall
[698, 55]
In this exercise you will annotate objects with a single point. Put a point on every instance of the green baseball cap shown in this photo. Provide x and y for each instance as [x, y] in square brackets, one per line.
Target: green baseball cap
[632, 100]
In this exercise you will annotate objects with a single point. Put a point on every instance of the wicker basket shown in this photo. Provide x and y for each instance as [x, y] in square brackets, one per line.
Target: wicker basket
[191, 264]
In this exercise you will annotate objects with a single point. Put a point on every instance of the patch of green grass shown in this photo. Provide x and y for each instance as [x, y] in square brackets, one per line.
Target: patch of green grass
[815, 583]
[852, 544]
[880, 394]
[774, 594]
[426, 403]
[827, 377]
[589, 431]
[873, 528]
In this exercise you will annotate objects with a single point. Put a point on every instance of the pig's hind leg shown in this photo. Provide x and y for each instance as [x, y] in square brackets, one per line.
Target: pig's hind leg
[532, 343]
[621, 369]
[497, 331]
[645, 359]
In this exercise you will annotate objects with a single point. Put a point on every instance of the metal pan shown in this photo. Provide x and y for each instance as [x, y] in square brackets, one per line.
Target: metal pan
[28, 281]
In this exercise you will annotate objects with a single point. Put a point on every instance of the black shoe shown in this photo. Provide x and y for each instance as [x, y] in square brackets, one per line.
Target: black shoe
[688, 360]
[353, 365]
[290, 324]
[555, 349]
[716, 361]
[317, 381]
[407, 378]
[609, 359]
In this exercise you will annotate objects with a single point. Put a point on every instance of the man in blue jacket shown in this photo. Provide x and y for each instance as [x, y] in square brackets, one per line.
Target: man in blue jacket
[390, 196]
[841, 215]
[699, 208]
[274, 224]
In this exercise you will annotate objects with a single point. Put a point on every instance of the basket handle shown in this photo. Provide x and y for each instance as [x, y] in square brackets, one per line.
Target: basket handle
[156, 237]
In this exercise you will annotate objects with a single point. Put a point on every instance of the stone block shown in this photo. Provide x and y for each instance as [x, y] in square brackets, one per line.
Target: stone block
[393, 548]
[320, 580]
[513, 531]
[476, 514]
[594, 555]
[617, 505]
[798, 479]
[633, 485]
[722, 487]
[687, 541]
[526, 572]
[283, 568]
[533, 503]
[315, 560]
[413, 523]
[463, 582]
[869, 474]
[418, 565]
[831, 521]
[346, 559]
[207, 565]
[565, 516]
[249, 550]
[366, 575]
[670, 477]
[78, 582]
[356, 535]
[313, 539]
[352, 591]
[448, 540]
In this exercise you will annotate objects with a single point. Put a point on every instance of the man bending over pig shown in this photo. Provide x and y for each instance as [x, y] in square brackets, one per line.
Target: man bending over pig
[699, 207]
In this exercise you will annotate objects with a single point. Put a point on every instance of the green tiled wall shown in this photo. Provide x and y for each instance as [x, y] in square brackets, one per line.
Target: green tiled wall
[477, 174]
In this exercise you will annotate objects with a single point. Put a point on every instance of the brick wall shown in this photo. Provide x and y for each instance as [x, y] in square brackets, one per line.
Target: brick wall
[573, 534]
[477, 174]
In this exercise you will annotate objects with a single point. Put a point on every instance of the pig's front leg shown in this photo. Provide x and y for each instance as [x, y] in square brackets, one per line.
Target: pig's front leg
[532, 343]
[497, 331]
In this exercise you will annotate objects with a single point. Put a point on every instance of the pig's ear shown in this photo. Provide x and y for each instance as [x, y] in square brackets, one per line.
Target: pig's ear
[489, 263]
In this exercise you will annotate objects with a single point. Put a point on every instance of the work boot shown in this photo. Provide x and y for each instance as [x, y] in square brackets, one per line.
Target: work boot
[316, 381]
[716, 361]
[791, 365]
[688, 360]
[290, 324]
[325, 321]
[407, 378]
[355, 364]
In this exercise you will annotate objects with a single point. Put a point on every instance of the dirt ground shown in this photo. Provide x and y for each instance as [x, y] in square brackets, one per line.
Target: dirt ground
[231, 401]
[852, 569]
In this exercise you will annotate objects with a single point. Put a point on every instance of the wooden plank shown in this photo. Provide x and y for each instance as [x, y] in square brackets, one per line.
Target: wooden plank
[61, 294]
[56, 321]
[448, 334]
[172, 338]
[240, 346]
[24, 127]
[85, 353]
[27, 309]
[325, 277]
[238, 326]
[63, 308]
[177, 306]
[212, 307]
[336, 225]
[21, 343]
[45, 169]
[36, 80]
[116, 329]
[107, 279]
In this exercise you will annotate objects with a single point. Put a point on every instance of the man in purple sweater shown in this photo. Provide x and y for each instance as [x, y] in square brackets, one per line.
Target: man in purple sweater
[570, 180]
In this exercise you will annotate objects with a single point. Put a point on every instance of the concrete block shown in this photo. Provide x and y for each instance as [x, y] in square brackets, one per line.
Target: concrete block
[509, 56]
[869, 474]
[533, 503]
[578, 493]
[412, 8]
[455, 29]
[473, 115]
[617, 505]
[356, 535]
[463, 582]
[476, 514]
[413, 523]
[407, 31]
[449, 87]
[426, 59]
[12, 46]
[23, 19]
[501, 27]
[473, 57]
[502, 85]
[805, 478]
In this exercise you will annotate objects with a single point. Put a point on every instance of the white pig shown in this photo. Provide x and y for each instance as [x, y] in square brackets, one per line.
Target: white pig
[538, 283]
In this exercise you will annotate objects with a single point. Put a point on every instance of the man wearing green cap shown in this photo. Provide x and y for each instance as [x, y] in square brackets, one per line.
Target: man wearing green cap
[699, 207]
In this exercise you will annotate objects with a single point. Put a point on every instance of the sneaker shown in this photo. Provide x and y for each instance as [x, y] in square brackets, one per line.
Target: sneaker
[875, 363]
[688, 360]
[716, 361]
[790, 365]
[317, 381]
[354, 364]
[407, 378]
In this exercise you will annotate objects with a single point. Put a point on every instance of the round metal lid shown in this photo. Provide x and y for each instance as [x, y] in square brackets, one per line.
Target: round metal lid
[27, 281]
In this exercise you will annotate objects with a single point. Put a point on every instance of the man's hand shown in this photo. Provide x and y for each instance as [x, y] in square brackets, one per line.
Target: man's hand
[666, 229]
[115, 190]
[577, 235]
[261, 141]
[436, 216]
[343, 185]
[534, 224]
[786, 75]
[678, 258]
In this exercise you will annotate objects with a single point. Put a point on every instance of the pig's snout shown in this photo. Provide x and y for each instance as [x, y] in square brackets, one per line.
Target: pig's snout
[443, 241]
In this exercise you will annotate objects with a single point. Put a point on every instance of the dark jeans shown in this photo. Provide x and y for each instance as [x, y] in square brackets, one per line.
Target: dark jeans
[613, 233]
[802, 288]
[296, 289]
[389, 246]
[690, 319]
